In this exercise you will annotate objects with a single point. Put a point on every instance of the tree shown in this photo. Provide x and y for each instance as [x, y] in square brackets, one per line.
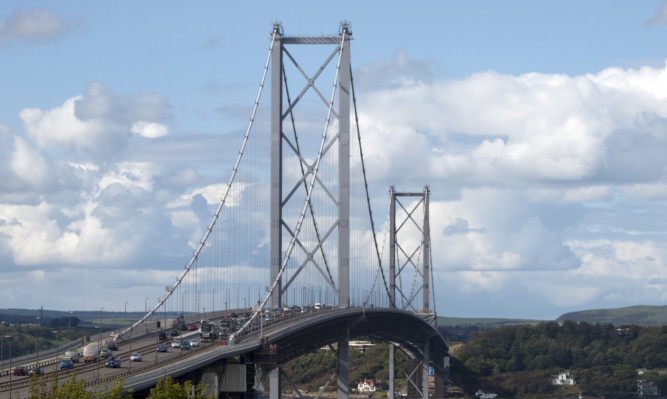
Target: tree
[72, 389]
[169, 389]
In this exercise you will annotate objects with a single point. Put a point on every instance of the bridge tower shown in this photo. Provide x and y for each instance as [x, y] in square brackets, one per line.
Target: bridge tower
[282, 108]
[403, 297]
[337, 127]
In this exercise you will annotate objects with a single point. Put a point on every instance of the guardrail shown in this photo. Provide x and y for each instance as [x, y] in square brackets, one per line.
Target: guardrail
[205, 345]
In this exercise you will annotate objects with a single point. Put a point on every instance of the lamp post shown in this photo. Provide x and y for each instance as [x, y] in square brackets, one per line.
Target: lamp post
[126, 314]
[212, 299]
[244, 304]
[99, 341]
[37, 344]
[9, 337]
[70, 331]
[130, 349]
[56, 334]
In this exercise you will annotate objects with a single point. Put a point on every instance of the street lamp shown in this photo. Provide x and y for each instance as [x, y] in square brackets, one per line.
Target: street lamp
[9, 337]
[99, 340]
[56, 333]
[126, 314]
[37, 343]
[244, 304]
[70, 331]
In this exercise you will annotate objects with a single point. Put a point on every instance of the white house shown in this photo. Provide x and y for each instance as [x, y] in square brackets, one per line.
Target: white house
[369, 385]
[485, 395]
[563, 378]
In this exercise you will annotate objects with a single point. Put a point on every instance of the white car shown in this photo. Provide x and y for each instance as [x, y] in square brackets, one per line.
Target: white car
[176, 343]
[135, 357]
[194, 342]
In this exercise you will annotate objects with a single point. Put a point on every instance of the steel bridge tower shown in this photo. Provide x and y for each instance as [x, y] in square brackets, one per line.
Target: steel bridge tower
[282, 107]
[402, 298]
[280, 114]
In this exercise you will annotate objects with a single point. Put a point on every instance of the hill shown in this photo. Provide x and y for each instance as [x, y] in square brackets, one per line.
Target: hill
[484, 323]
[638, 315]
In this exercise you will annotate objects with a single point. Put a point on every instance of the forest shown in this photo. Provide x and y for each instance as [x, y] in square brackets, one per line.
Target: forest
[603, 358]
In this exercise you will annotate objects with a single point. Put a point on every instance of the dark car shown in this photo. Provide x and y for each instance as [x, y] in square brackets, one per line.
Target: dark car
[113, 361]
[162, 348]
[105, 353]
[36, 371]
[162, 335]
[20, 370]
[112, 346]
[174, 333]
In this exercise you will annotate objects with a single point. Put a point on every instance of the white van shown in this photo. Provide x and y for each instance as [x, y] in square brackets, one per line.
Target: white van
[90, 354]
[318, 306]
[73, 356]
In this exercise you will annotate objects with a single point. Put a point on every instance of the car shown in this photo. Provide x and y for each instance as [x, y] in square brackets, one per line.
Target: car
[105, 353]
[66, 364]
[192, 327]
[112, 345]
[162, 335]
[20, 370]
[194, 342]
[175, 333]
[113, 362]
[176, 343]
[135, 357]
[162, 348]
[185, 344]
[35, 371]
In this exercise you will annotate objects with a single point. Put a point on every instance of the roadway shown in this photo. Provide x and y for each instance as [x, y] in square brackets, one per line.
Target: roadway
[293, 336]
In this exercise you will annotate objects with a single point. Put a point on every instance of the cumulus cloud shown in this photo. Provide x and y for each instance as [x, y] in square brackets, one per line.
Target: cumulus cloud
[100, 103]
[28, 164]
[39, 24]
[149, 129]
[498, 129]
[535, 177]
[98, 123]
[544, 184]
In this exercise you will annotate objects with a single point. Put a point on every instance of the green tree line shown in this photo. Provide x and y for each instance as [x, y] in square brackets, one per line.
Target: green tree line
[602, 357]
[49, 388]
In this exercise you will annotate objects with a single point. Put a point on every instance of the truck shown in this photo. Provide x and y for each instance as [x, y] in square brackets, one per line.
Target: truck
[207, 331]
[72, 355]
[226, 328]
[179, 323]
[90, 353]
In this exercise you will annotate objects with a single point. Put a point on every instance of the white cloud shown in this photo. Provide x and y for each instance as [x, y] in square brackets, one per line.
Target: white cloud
[149, 129]
[129, 175]
[28, 164]
[34, 237]
[100, 103]
[37, 24]
[59, 128]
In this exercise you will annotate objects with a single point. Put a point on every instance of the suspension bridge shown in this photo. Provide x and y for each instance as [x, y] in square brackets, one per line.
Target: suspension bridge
[315, 259]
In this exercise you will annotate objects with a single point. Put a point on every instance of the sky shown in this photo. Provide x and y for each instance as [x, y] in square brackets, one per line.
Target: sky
[540, 128]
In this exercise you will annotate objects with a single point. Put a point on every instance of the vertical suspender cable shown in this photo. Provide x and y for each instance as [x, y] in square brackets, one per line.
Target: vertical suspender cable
[222, 200]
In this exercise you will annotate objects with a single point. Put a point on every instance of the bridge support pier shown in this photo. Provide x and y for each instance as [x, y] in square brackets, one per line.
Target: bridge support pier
[274, 383]
[344, 367]
[391, 393]
[425, 361]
